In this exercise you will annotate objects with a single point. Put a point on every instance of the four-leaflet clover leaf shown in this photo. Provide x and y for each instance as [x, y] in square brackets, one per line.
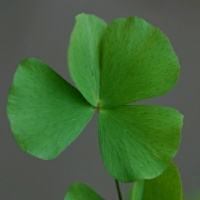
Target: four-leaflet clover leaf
[111, 65]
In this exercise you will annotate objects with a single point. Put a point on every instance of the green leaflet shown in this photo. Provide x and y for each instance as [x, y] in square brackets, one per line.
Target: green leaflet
[138, 142]
[137, 62]
[167, 186]
[46, 113]
[84, 55]
[80, 191]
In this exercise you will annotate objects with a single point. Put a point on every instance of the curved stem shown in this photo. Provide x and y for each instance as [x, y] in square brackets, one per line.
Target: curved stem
[118, 190]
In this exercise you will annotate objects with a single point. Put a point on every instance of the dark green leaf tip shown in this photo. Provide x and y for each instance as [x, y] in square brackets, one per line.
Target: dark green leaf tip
[80, 191]
[167, 186]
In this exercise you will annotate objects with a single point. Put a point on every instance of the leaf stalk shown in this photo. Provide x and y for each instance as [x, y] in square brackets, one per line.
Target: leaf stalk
[118, 189]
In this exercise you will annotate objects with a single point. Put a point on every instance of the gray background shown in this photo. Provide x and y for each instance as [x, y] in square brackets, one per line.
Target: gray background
[41, 29]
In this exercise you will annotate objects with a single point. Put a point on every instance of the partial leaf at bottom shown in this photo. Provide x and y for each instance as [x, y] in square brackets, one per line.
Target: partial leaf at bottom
[80, 191]
[167, 186]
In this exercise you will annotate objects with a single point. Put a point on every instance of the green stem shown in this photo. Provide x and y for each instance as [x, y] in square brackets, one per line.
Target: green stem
[118, 190]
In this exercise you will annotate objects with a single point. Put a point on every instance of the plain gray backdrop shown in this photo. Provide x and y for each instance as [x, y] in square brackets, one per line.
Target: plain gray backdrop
[41, 29]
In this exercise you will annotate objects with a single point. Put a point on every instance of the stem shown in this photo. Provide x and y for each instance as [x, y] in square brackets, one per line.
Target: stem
[118, 190]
